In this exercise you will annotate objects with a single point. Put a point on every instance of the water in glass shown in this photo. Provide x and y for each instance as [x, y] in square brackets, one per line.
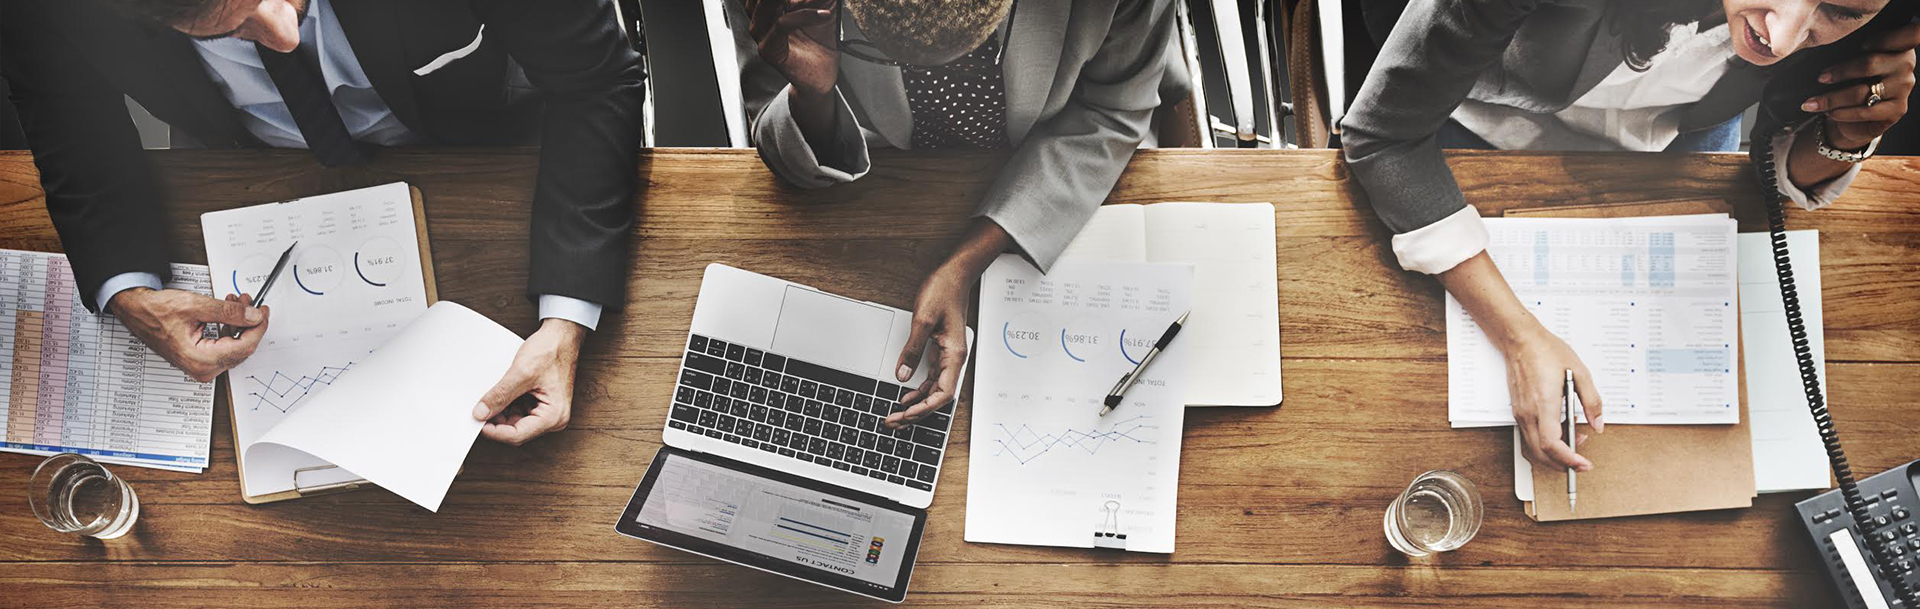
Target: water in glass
[1439, 512]
[73, 494]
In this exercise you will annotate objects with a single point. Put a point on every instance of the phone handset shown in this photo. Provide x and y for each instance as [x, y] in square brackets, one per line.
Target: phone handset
[1780, 109]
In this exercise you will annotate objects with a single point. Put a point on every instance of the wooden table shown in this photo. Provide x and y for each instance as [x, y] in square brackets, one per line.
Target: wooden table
[1278, 506]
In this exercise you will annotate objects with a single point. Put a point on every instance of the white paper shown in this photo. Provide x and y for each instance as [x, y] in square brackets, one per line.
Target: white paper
[1787, 453]
[404, 418]
[1649, 304]
[353, 283]
[1235, 326]
[1044, 467]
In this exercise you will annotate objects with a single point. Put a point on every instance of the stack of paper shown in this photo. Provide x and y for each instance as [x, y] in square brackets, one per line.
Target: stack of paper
[1649, 304]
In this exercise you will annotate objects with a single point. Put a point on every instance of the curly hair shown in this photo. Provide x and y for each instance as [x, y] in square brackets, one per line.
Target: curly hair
[1645, 26]
[927, 32]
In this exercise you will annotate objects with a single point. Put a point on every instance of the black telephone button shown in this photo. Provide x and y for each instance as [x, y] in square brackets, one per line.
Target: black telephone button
[1900, 513]
[1890, 493]
[1880, 521]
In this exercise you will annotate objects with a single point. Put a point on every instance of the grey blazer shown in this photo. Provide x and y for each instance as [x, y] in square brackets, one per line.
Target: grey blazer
[1082, 80]
[1535, 55]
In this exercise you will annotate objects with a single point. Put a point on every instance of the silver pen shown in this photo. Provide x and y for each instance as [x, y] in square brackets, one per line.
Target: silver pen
[1566, 395]
[1120, 389]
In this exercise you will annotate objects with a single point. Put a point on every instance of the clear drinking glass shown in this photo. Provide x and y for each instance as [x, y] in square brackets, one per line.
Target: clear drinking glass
[73, 494]
[1439, 512]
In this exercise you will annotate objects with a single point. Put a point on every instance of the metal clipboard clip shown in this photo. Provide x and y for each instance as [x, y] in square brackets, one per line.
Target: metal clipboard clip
[323, 488]
[1107, 534]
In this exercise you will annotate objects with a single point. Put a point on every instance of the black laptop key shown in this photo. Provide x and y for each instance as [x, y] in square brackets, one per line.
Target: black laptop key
[926, 474]
[757, 413]
[877, 475]
[682, 412]
[929, 437]
[753, 375]
[787, 452]
[867, 440]
[763, 433]
[696, 379]
[890, 464]
[813, 409]
[749, 443]
[796, 423]
[677, 425]
[859, 471]
[781, 436]
[789, 384]
[836, 451]
[683, 395]
[925, 486]
[714, 433]
[926, 455]
[813, 428]
[738, 408]
[863, 402]
[816, 446]
[770, 447]
[870, 459]
[885, 444]
[855, 455]
[773, 362]
[770, 380]
[797, 441]
[717, 348]
[736, 371]
[849, 435]
[840, 466]
[777, 400]
[736, 353]
[702, 400]
[904, 434]
[869, 422]
[708, 418]
[908, 468]
[776, 418]
[808, 389]
[744, 428]
[738, 391]
[706, 363]
[938, 420]
[732, 439]
[850, 417]
[829, 376]
[726, 423]
[697, 343]
[831, 413]
[902, 448]
[896, 479]
[757, 395]
[844, 398]
[722, 386]
[753, 357]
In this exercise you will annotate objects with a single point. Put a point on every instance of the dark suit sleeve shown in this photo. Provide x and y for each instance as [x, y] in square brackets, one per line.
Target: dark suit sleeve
[592, 81]
[100, 191]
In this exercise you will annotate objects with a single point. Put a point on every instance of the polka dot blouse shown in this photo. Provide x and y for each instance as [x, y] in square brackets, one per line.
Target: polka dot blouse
[960, 106]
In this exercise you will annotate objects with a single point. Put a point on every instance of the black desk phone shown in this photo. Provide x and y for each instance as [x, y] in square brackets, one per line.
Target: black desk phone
[1866, 532]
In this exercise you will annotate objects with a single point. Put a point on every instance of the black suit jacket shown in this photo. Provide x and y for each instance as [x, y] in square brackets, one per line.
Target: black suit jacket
[559, 72]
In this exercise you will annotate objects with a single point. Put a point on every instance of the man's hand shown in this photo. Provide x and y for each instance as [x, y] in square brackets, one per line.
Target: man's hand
[940, 318]
[170, 323]
[542, 373]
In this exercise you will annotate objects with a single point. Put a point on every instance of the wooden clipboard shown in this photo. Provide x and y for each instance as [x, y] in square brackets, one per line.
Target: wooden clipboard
[1652, 469]
[426, 277]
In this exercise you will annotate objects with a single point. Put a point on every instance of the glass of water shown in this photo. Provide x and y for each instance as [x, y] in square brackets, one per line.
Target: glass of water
[1439, 512]
[73, 494]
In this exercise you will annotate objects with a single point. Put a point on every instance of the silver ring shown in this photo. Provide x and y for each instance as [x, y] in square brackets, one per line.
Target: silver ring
[1874, 93]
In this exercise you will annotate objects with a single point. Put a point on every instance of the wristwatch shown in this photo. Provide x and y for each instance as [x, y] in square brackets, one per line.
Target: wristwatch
[1844, 156]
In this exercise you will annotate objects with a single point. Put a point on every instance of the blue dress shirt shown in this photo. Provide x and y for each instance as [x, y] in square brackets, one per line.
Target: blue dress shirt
[234, 65]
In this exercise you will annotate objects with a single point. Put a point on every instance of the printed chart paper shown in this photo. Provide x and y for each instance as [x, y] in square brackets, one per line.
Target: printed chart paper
[73, 381]
[353, 283]
[1649, 304]
[1044, 467]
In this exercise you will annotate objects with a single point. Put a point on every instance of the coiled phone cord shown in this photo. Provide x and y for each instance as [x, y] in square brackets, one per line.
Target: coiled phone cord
[1763, 158]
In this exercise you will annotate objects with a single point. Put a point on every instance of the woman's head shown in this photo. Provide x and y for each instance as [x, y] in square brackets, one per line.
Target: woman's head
[1766, 31]
[927, 32]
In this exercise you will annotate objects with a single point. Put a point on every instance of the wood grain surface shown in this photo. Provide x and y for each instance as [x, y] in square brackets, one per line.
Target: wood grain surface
[1279, 507]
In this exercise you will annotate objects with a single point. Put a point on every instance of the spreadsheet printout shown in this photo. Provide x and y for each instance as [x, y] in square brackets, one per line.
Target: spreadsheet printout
[1650, 305]
[78, 382]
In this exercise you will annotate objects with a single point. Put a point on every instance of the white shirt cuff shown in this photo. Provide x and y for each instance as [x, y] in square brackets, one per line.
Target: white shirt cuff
[1442, 245]
[1820, 195]
[571, 309]
[123, 282]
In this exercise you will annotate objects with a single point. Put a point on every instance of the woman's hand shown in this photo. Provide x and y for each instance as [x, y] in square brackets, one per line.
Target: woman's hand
[1851, 123]
[940, 320]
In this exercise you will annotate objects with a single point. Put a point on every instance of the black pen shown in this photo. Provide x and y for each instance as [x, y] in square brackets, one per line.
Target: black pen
[214, 330]
[1120, 389]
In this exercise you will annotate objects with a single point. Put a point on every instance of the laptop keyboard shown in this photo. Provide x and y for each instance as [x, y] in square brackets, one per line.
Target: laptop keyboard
[805, 411]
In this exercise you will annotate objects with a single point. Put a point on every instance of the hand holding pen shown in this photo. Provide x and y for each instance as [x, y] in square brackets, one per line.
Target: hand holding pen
[216, 330]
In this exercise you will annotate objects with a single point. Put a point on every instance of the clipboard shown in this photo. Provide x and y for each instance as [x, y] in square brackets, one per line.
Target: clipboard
[1652, 469]
[298, 491]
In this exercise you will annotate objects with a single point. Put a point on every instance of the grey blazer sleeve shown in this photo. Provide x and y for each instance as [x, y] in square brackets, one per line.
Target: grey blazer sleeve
[1068, 164]
[782, 146]
[1429, 64]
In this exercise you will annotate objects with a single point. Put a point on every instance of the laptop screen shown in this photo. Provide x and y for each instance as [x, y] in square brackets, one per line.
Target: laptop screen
[777, 522]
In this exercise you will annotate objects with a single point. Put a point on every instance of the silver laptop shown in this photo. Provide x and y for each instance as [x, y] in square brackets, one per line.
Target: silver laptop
[776, 457]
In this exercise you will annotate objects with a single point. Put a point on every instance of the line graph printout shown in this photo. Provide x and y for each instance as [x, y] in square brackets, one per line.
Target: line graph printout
[354, 281]
[73, 381]
[1650, 304]
[1045, 468]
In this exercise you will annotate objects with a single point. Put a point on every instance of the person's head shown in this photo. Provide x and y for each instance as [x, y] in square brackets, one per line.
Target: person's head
[274, 24]
[927, 32]
[1766, 31]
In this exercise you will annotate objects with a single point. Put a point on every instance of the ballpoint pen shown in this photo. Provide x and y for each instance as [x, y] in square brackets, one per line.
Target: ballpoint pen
[1120, 389]
[215, 330]
[1566, 395]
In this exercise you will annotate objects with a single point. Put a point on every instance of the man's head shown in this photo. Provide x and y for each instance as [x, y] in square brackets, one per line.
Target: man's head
[927, 32]
[274, 24]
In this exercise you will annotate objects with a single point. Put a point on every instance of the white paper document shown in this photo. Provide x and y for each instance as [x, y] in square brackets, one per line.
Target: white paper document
[354, 282]
[404, 418]
[1235, 327]
[1044, 467]
[1787, 453]
[1649, 304]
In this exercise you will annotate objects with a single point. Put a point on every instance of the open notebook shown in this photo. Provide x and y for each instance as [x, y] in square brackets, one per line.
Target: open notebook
[1235, 325]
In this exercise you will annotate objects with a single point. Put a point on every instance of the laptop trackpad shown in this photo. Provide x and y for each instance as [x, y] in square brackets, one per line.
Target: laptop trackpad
[832, 331]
